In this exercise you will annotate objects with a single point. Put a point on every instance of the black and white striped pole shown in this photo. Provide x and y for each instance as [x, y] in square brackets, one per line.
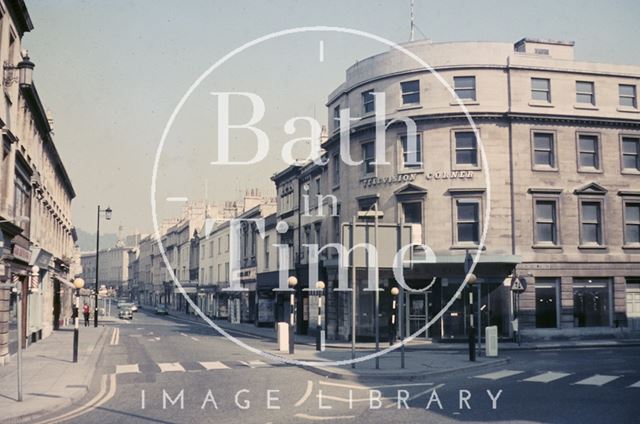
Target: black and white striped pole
[472, 333]
[292, 281]
[320, 331]
[393, 329]
[78, 283]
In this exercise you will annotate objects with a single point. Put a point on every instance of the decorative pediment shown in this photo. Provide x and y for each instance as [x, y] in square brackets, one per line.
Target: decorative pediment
[410, 190]
[591, 189]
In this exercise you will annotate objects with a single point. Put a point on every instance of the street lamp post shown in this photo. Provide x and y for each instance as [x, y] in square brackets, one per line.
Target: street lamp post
[320, 331]
[292, 281]
[78, 283]
[107, 215]
[393, 330]
[376, 322]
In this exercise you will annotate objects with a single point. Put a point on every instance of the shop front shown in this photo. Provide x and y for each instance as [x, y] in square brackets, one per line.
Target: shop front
[269, 305]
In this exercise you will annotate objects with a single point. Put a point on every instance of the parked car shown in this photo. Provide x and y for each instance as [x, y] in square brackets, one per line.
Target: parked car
[161, 310]
[125, 313]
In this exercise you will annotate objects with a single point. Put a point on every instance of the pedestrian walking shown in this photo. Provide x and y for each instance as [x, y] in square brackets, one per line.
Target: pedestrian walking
[86, 312]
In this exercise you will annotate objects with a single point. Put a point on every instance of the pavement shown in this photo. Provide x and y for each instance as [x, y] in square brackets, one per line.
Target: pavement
[50, 378]
[269, 333]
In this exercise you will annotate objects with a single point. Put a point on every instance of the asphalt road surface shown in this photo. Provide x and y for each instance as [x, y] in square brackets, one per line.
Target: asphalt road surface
[167, 370]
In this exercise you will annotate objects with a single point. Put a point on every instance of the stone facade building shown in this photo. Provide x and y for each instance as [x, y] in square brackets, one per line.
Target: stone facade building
[113, 272]
[553, 163]
[37, 236]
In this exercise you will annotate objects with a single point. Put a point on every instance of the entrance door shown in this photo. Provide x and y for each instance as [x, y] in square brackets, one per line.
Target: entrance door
[57, 307]
[417, 312]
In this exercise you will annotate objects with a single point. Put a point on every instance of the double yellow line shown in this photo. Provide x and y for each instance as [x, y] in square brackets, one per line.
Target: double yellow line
[115, 336]
[104, 395]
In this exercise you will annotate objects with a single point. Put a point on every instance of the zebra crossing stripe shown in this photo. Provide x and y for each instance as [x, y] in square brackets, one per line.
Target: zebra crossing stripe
[635, 385]
[597, 380]
[215, 365]
[170, 366]
[126, 369]
[547, 377]
[254, 364]
[499, 374]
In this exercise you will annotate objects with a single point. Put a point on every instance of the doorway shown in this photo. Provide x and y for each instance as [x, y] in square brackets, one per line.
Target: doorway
[417, 313]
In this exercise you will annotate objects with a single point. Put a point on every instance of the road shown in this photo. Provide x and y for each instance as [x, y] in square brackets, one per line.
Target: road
[166, 370]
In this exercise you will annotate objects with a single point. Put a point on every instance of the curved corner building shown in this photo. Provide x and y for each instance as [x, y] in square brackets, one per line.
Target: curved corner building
[562, 144]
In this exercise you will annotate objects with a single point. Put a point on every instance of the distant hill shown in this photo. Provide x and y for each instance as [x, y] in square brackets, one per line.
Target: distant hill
[87, 241]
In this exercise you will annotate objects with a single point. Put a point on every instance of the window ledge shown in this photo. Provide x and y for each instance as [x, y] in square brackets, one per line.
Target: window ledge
[464, 246]
[593, 246]
[403, 171]
[465, 168]
[631, 246]
[465, 102]
[368, 115]
[585, 106]
[409, 107]
[629, 171]
[540, 168]
[628, 109]
[590, 170]
[335, 187]
[547, 246]
[541, 104]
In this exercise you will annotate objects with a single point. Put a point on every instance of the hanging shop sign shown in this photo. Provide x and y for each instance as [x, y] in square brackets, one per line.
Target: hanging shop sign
[21, 253]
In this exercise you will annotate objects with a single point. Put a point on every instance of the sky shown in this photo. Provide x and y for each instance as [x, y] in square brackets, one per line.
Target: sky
[112, 73]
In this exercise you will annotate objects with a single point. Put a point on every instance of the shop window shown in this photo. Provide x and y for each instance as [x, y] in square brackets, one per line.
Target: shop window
[633, 302]
[591, 302]
[546, 302]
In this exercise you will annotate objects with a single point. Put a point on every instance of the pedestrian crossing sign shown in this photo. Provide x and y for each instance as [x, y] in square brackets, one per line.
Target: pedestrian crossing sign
[518, 285]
